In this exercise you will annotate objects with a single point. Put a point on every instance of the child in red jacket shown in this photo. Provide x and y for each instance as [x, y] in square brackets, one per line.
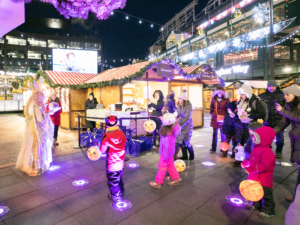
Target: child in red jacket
[260, 167]
[113, 144]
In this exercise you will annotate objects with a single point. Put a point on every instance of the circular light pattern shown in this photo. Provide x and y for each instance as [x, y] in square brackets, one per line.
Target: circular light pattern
[54, 168]
[237, 201]
[208, 164]
[3, 210]
[132, 165]
[81, 182]
[121, 205]
[199, 146]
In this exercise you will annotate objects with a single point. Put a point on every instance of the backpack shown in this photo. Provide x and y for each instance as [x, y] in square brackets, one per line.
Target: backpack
[265, 105]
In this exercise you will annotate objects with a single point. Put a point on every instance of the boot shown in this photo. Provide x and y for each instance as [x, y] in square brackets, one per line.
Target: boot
[279, 151]
[191, 153]
[223, 154]
[55, 142]
[232, 155]
[184, 152]
[177, 148]
[236, 163]
[155, 185]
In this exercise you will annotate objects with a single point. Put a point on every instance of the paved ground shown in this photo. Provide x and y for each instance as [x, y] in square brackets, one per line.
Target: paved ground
[51, 198]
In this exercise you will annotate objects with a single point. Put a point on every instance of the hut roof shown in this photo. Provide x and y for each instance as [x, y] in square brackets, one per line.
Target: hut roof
[68, 78]
[190, 69]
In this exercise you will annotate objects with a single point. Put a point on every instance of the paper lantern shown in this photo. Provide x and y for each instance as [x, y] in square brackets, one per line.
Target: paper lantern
[180, 165]
[251, 190]
[149, 126]
[93, 153]
[224, 146]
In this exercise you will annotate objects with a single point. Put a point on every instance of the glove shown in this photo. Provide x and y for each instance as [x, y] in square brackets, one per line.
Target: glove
[248, 110]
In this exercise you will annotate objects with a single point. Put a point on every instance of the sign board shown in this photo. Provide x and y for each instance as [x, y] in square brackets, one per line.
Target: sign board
[164, 70]
[237, 85]
[296, 80]
[205, 76]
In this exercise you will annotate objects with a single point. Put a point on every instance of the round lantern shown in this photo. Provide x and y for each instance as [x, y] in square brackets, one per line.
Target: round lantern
[180, 165]
[93, 153]
[149, 126]
[251, 190]
[224, 146]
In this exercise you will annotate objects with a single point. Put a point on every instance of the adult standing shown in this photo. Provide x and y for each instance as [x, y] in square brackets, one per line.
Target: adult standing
[274, 95]
[171, 105]
[91, 103]
[291, 116]
[185, 121]
[55, 117]
[218, 109]
[156, 106]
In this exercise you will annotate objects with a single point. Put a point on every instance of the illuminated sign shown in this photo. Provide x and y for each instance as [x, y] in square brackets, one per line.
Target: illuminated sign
[164, 70]
[233, 69]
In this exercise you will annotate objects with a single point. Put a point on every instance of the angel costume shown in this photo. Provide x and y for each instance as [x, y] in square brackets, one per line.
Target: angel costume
[36, 153]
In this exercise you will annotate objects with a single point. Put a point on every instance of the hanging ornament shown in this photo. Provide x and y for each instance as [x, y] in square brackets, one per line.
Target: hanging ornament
[237, 13]
[200, 31]
[178, 42]
[261, 13]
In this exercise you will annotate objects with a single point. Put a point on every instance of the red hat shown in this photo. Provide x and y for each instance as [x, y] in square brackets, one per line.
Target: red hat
[111, 121]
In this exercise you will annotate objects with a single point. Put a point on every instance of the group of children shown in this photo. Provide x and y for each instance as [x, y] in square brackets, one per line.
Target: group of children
[260, 165]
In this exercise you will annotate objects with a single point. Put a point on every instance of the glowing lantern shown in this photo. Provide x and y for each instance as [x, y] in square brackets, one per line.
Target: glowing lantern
[150, 126]
[180, 165]
[224, 146]
[93, 153]
[251, 190]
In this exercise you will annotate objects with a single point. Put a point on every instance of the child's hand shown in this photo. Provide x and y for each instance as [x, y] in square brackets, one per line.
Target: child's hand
[235, 150]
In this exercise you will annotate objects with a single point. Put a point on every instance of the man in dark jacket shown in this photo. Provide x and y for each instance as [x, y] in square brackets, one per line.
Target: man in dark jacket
[171, 105]
[91, 103]
[271, 96]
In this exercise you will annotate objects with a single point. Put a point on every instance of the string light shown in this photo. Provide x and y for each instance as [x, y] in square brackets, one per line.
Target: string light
[112, 13]
[140, 21]
[127, 17]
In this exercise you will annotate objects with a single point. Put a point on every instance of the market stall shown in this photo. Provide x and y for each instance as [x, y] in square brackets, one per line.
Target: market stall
[295, 79]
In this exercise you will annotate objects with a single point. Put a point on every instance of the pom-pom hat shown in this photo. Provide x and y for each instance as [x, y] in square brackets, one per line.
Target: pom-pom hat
[169, 118]
[111, 121]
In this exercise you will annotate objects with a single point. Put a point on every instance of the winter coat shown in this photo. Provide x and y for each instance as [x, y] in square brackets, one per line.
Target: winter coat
[261, 163]
[56, 116]
[291, 117]
[273, 116]
[171, 106]
[242, 133]
[185, 122]
[114, 141]
[221, 106]
[158, 106]
[292, 216]
[228, 127]
[167, 143]
[90, 105]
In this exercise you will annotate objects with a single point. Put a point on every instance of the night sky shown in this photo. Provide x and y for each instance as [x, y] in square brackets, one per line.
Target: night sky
[122, 38]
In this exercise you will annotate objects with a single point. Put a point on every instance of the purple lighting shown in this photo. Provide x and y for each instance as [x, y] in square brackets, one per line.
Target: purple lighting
[81, 182]
[237, 201]
[3, 210]
[54, 168]
[208, 164]
[132, 165]
[121, 205]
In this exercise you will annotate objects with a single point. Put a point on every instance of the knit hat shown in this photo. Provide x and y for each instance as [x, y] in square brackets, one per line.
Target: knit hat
[246, 90]
[111, 121]
[293, 89]
[183, 95]
[92, 94]
[169, 118]
[232, 106]
[272, 83]
[219, 90]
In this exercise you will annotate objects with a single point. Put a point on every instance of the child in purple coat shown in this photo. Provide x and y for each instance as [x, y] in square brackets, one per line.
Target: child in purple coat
[168, 134]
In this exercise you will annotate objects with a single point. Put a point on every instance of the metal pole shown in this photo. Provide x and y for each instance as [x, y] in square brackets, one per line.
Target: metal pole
[271, 40]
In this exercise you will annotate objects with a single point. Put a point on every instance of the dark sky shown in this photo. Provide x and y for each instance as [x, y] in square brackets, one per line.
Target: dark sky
[122, 38]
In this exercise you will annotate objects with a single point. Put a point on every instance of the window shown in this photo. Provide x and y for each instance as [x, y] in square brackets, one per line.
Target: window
[282, 52]
[92, 46]
[56, 44]
[34, 55]
[15, 41]
[199, 45]
[240, 57]
[1, 40]
[19, 54]
[183, 51]
[279, 14]
[37, 43]
[75, 45]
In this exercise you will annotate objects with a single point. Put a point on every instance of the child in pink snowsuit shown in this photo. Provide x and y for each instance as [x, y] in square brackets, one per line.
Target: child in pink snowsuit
[168, 134]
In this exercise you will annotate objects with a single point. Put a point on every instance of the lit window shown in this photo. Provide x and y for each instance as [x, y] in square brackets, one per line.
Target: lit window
[92, 46]
[37, 43]
[15, 41]
[242, 56]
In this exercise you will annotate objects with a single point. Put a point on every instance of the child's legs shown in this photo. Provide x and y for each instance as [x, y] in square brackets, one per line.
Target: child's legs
[115, 183]
[172, 170]
[162, 169]
[268, 201]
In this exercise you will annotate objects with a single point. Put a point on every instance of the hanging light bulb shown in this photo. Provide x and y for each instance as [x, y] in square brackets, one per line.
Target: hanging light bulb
[140, 21]
[151, 25]
[127, 17]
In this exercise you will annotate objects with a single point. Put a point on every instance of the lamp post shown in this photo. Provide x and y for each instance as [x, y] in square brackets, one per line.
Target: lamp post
[271, 40]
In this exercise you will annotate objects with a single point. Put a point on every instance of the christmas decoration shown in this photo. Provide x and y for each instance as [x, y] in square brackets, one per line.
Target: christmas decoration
[224, 146]
[149, 126]
[261, 13]
[180, 165]
[178, 42]
[94, 153]
[200, 31]
[251, 190]
[81, 8]
[237, 13]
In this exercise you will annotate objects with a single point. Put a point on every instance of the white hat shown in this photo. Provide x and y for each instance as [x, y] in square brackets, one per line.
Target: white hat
[169, 118]
[245, 90]
[183, 95]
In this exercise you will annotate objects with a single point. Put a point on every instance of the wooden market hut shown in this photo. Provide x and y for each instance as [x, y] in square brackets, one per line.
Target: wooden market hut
[295, 79]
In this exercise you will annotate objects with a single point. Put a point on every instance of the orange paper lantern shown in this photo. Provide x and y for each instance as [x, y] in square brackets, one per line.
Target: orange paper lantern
[180, 165]
[251, 190]
[94, 153]
[149, 126]
[224, 146]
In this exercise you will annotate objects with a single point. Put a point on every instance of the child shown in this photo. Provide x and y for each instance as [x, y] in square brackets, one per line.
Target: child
[168, 134]
[113, 143]
[228, 128]
[260, 167]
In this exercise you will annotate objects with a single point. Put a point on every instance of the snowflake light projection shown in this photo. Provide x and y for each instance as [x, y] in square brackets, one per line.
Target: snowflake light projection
[261, 13]
[81, 8]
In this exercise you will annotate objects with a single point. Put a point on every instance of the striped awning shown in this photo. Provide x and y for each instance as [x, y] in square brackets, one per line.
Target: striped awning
[117, 73]
[190, 69]
[68, 78]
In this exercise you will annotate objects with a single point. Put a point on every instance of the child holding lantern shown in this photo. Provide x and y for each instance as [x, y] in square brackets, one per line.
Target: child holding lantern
[260, 167]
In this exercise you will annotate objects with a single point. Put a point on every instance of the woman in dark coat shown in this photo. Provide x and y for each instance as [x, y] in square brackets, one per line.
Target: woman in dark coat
[156, 106]
[218, 106]
[291, 116]
[171, 105]
[91, 103]
[185, 121]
